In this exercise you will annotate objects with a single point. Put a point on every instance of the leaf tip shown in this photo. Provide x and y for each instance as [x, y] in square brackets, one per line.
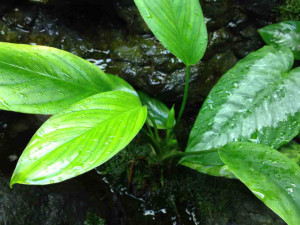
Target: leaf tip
[11, 183]
[14, 180]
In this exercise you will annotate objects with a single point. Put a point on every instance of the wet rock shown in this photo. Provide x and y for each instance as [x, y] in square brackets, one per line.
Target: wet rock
[130, 14]
[217, 13]
[242, 48]
[15, 132]
[219, 41]
[121, 43]
[248, 32]
[239, 19]
[263, 10]
[65, 204]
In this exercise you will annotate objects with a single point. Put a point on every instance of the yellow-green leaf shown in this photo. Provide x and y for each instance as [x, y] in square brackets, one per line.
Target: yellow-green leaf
[44, 80]
[80, 138]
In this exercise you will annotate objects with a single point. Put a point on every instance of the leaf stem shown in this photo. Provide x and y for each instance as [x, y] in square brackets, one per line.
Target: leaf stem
[185, 95]
[153, 141]
[149, 129]
[157, 137]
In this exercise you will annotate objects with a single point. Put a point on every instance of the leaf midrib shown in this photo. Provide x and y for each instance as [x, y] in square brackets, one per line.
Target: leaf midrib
[71, 139]
[87, 87]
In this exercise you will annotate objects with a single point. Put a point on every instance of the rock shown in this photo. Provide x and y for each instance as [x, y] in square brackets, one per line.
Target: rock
[62, 204]
[263, 10]
[217, 13]
[131, 51]
[130, 14]
[13, 126]
[68, 203]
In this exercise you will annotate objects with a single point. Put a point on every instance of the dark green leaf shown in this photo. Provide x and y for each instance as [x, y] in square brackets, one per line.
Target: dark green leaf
[292, 151]
[156, 109]
[257, 100]
[179, 25]
[38, 79]
[80, 138]
[286, 33]
[271, 176]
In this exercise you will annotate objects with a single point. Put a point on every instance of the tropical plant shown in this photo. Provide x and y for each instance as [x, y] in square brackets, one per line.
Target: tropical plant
[250, 113]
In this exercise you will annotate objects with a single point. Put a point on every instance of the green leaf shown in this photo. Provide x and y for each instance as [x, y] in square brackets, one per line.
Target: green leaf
[257, 100]
[156, 109]
[292, 151]
[118, 84]
[271, 176]
[80, 138]
[171, 120]
[44, 80]
[285, 33]
[179, 25]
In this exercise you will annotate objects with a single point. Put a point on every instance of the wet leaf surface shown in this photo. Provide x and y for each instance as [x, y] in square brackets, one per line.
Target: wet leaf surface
[271, 176]
[180, 26]
[80, 138]
[257, 100]
[285, 33]
[44, 80]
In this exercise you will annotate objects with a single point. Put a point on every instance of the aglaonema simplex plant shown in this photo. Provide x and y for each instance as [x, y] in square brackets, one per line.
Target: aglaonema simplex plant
[250, 113]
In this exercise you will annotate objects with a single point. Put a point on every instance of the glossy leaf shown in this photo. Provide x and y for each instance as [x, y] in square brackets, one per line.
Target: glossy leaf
[156, 109]
[118, 84]
[285, 33]
[271, 176]
[44, 80]
[292, 151]
[80, 138]
[179, 25]
[257, 100]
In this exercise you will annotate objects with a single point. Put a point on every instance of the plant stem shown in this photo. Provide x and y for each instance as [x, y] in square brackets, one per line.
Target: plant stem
[157, 137]
[154, 143]
[181, 154]
[149, 129]
[185, 95]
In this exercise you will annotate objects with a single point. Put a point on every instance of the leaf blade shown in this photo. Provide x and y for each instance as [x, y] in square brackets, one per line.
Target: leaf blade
[286, 33]
[272, 177]
[157, 110]
[179, 25]
[45, 80]
[80, 138]
[256, 100]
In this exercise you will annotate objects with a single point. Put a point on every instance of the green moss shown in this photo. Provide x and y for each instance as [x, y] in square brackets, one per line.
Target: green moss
[93, 219]
[290, 10]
